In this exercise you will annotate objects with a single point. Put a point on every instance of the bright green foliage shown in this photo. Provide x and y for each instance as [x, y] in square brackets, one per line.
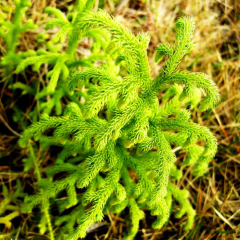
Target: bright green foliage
[60, 59]
[54, 55]
[11, 32]
[119, 125]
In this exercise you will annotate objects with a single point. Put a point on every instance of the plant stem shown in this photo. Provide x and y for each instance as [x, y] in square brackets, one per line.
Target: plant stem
[46, 209]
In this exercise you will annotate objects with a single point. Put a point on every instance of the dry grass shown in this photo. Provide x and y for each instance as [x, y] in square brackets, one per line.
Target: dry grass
[217, 52]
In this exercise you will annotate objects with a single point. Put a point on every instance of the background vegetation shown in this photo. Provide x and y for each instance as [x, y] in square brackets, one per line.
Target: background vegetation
[215, 196]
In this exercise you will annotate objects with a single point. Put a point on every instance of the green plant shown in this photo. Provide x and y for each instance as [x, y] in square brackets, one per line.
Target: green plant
[7, 206]
[60, 59]
[119, 125]
[63, 60]
[11, 33]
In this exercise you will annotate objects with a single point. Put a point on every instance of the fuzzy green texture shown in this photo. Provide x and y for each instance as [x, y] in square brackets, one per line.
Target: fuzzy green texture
[61, 60]
[120, 126]
[11, 33]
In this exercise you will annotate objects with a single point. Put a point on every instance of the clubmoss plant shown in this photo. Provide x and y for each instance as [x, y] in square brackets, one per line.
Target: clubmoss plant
[11, 33]
[119, 126]
[62, 59]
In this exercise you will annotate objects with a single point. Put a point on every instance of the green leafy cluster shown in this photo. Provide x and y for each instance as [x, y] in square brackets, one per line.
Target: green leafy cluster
[117, 132]
[50, 51]
[117, 140]
[60, 59]
[11, 32]
[53, 55]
